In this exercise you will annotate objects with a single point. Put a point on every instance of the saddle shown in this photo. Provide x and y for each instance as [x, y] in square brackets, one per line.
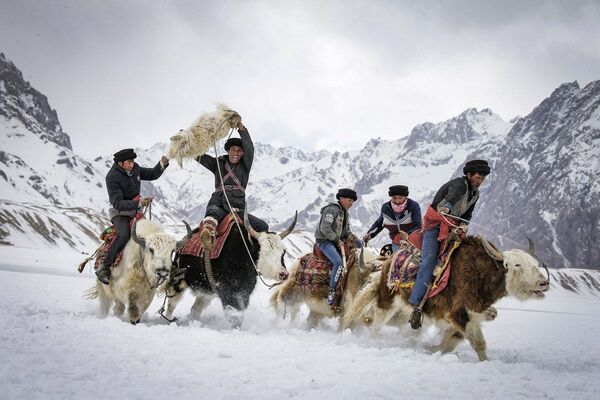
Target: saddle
[108, 237]
[315, 270]
[405, 264]
[194, 246]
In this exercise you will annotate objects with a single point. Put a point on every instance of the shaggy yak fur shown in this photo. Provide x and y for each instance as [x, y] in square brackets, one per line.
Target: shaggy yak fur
[289, 297]
[200, 136]
[233, 272]
[138, 269]
[476, 282]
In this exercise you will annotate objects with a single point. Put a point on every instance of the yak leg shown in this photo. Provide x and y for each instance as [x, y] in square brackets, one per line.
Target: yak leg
[201, 302]
[474, 334]
[313, 319]
[119, 308]
[105, 299]
[490, 313]
[172, 303]
[234, 308]
[234, 316]
[450, 339]
[132, 307]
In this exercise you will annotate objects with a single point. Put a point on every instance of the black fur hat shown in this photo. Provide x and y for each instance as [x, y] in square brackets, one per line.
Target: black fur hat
[124, 155]
[345, 192]
[398, 190]
[480, 167]
[233, 142]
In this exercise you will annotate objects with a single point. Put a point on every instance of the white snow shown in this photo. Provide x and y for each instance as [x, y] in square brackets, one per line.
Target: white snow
[53, 345]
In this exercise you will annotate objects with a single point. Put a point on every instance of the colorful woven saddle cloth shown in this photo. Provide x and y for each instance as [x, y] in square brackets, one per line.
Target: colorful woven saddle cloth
[405, 266]
[315, 270]
[194, 246]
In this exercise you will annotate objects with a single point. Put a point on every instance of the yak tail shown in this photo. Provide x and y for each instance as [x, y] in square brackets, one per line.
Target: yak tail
[364, 308]
[91, 293]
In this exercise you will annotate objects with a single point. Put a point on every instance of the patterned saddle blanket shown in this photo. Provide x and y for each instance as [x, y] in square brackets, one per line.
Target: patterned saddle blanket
[405, 266]
[315, 270]
[194, 246]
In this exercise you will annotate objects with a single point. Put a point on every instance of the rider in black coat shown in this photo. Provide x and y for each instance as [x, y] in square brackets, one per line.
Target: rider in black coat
[123, 183]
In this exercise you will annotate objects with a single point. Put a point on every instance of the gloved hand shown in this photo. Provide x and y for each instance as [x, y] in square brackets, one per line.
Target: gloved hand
[366, 238]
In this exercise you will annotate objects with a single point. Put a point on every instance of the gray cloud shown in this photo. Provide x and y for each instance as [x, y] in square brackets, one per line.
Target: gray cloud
[312, 74]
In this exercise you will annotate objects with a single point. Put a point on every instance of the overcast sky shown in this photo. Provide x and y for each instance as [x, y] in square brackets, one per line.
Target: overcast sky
[312, 74]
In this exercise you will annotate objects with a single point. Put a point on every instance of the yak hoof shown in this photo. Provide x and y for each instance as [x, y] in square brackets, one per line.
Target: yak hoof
[135, 322]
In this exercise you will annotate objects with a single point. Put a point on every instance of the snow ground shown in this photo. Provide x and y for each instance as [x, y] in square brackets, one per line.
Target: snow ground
[54, 346]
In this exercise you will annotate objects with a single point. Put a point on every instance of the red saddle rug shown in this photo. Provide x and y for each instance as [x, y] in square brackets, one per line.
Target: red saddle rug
[194, 246]
[109, 236]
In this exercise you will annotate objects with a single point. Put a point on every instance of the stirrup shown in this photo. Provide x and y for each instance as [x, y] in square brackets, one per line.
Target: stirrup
[103, 274]
[416, 318]
[331, 297]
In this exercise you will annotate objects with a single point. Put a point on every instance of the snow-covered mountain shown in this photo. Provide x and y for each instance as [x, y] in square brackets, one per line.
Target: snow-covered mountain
[545, 181]
[545, 160]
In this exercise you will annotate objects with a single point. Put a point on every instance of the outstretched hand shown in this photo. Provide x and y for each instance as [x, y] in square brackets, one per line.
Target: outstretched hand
[164, 161]
[240, 125]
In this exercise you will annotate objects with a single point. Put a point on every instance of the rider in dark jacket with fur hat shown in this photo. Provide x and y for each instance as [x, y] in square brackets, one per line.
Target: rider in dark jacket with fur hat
[456, 198]
[235, 169]
[334, 226]
[123, 182]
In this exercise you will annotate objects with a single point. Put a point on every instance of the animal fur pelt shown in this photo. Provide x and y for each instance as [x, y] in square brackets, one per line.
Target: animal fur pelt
[200, 136]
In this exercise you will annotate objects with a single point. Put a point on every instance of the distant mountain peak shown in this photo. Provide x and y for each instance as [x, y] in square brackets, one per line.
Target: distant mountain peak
[20, 101]
[469, 125]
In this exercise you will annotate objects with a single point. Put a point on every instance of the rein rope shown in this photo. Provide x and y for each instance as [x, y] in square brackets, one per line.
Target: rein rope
[469, 223]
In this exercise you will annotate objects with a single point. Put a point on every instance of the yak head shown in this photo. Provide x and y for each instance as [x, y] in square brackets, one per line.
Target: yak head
[158, 247]
[524, 279]
[272, 251]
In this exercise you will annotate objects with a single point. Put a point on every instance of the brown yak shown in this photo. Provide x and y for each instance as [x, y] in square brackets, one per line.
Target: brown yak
[289, 297]
[480, 276]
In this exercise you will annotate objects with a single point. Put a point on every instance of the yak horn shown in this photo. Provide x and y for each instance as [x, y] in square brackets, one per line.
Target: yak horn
[491, 250]
[361, 259]
[134, 236]
[289, 230]
[187, 237]
[249, 227]
[531, 249]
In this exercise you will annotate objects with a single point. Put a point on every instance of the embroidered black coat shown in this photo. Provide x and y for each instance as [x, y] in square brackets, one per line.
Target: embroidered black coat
[241, 170]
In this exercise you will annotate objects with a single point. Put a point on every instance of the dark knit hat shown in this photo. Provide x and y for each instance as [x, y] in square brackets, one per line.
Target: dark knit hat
[398, 190]
[345, 192]
[124, 155]
[233, 142]
[480, 167]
